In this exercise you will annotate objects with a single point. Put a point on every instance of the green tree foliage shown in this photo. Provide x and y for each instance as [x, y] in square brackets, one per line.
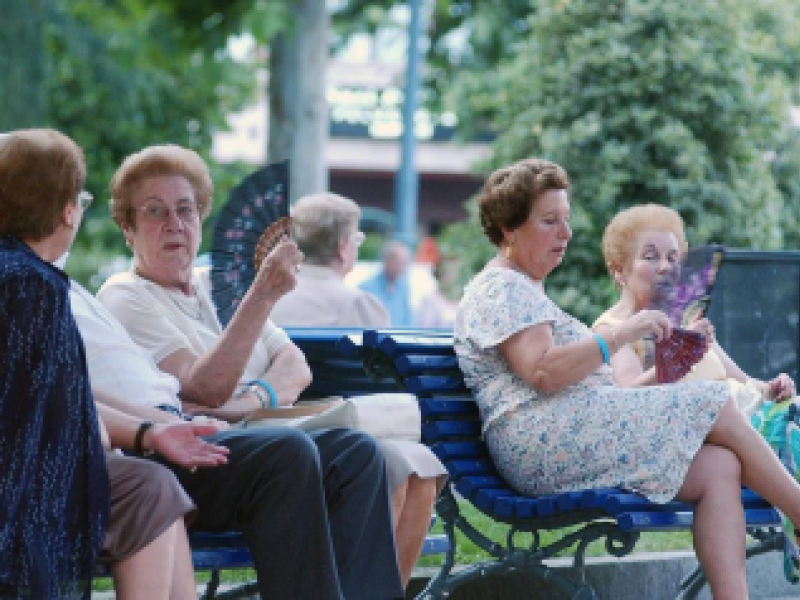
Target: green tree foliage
[22, 63]
[125, 75]
[685, 103]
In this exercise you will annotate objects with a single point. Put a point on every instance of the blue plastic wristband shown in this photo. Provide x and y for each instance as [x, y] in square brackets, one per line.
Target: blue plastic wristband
[273, 397]
[603, 348]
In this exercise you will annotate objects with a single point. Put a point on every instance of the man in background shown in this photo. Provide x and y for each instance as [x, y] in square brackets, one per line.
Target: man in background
[390, 285]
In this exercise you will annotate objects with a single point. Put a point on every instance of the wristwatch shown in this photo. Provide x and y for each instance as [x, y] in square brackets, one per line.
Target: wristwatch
[139, 438]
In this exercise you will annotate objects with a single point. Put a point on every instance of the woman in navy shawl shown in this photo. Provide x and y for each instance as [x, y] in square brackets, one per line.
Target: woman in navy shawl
[53, 480]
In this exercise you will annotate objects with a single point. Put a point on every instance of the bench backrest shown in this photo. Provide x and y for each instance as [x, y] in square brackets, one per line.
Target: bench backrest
[754, 308]
[424, 363]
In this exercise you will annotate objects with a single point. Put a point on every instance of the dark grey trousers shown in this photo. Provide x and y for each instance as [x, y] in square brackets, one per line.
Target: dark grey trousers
[313, 507]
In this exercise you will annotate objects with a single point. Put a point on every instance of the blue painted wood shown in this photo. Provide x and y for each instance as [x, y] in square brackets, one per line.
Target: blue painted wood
[412, 365]
[442, 406]
[426, 385]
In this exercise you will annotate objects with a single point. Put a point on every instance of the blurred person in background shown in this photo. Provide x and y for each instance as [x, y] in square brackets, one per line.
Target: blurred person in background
[436, 310]
[326, 231]
[390, 285]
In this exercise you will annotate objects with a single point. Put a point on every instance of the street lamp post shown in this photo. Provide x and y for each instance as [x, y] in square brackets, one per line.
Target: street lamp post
[407, 181]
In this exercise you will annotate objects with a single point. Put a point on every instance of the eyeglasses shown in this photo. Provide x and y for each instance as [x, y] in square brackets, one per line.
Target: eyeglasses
[85, 199]
[358, 238]
[158, 212]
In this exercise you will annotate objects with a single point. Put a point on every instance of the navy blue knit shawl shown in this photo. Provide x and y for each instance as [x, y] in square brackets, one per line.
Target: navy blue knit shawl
[53, 480]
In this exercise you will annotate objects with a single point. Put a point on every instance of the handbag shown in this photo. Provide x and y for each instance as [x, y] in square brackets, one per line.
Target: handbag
[384, 416]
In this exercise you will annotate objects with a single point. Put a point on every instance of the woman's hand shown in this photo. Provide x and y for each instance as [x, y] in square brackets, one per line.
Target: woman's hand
[278, 272]
[233, 411]
[781, 388]
[206, 420]
[180, 444]
[704, 327]
[644, 323]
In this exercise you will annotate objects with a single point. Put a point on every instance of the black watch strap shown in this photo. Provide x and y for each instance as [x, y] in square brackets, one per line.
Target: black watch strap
[139, 437]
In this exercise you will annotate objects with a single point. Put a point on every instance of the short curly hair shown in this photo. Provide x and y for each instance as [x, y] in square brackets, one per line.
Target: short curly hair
[620, 234]
[320, 222]
[155, 161]
[509, 194]
[41, 171]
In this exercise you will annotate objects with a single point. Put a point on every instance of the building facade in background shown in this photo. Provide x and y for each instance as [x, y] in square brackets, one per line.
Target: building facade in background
[363, 152]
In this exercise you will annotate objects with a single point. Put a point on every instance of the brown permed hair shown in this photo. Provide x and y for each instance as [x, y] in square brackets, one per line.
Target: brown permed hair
[155, 161]
[509, 194]
[41, 171]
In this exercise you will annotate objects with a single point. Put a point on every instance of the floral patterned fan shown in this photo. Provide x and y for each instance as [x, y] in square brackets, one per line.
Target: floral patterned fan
[252, 222]
[684, 296]
[676, 356]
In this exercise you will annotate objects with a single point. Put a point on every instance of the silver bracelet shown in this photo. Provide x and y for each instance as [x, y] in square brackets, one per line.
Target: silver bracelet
[262, 395]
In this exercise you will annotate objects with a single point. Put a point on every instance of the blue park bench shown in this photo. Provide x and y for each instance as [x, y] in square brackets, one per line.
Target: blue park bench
[424, 363]
[333, 374]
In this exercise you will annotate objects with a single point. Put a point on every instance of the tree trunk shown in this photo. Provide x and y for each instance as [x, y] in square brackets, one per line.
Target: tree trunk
[298, 121]
[22, 64]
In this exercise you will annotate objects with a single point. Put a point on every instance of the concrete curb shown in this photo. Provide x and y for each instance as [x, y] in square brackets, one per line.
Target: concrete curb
[645, 576]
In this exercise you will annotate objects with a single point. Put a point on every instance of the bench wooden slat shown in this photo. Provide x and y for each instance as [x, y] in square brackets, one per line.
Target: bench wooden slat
[425, 385]
[447, 407]
[471, 484]
[413, 344]
[671, 521]
[425, 363]
[435, 431]
[447, 451]
[625, 502]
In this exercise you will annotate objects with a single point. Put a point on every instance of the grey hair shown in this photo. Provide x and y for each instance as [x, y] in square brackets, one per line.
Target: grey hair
[320, 222]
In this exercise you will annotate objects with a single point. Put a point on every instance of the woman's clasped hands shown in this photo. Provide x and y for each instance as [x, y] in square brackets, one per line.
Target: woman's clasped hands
[644, 324]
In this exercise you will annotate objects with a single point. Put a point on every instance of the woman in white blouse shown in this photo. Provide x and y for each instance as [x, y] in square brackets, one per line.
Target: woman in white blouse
[161, 195]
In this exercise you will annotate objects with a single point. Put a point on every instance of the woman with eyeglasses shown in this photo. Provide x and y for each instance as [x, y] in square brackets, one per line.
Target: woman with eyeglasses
[161, 195]
[66, 501]
[326, 230]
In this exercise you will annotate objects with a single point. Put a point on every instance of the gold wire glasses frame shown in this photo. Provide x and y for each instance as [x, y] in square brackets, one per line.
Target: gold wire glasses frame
[85, 199]
[157, 212]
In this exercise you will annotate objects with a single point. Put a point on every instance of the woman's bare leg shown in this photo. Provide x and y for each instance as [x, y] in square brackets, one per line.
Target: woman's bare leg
[761, 469]
[398, 500]
[150, 574]
[413, 523]
[184, 586]
[713, 482]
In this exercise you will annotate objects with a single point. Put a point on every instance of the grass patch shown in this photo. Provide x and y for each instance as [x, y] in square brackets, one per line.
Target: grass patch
[468, 553]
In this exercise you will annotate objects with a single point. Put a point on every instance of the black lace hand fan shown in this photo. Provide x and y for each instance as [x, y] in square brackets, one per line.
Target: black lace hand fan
[684, 297]
[252, 222]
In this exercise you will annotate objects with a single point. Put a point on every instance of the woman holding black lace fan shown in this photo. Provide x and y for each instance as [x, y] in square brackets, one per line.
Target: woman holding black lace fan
[643, 246]
[166, 305]
[553, 418]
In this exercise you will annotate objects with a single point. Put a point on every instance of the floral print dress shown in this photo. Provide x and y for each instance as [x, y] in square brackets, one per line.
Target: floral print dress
[591, 434]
